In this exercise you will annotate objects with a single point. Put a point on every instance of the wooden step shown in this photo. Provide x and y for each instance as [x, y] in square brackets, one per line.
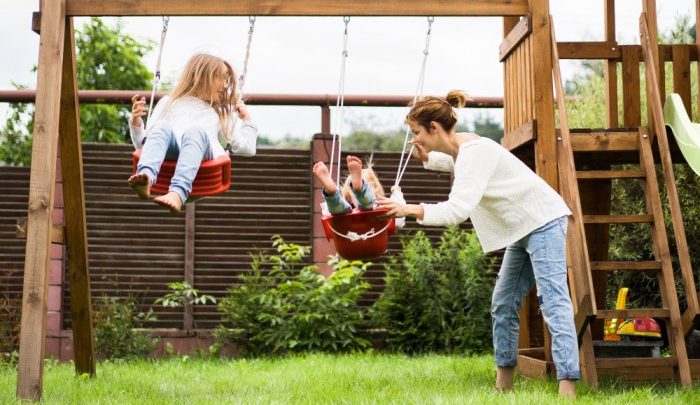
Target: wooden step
[636, 362]
[617, 219]
[605, 141]
[626, 265]
[610, 174]
[634, 313]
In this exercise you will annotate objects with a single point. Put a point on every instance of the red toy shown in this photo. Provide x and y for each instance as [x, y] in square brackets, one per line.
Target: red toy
[213, 177]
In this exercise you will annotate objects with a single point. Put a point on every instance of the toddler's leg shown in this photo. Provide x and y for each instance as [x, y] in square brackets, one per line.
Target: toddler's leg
[335, 202]
[161, 140]
[195, 148]
[362, 191]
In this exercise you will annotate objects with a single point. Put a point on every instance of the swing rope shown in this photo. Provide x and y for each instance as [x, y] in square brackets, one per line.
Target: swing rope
[354, 236]
[156, 75]
[241, 81]
[339, 104]
[419, 93]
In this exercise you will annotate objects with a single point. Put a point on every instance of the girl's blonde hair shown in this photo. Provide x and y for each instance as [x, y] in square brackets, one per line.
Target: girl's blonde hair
[372, 180]
[429, 109]
[197, 80]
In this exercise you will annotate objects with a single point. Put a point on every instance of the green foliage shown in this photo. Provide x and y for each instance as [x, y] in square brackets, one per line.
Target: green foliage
[107, 59]
[116, 329]
[287, 309]
[182, 293]
[437, 298]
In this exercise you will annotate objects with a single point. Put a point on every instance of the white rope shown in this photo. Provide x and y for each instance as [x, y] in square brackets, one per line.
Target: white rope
[156, 75]
[339, 104]
[354, 236]
[241, 80]
[419, 93]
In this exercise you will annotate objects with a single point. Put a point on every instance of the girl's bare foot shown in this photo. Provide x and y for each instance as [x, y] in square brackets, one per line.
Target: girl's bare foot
[355, 168]
[141, 184]
[321, 172]
[170, 201]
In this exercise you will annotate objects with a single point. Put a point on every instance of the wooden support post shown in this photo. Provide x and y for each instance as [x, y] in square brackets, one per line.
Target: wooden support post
[612, 120]
[649, 7]
[74, 211]
[190, 209]
[30, 373]
[546, 144]
[577, 247]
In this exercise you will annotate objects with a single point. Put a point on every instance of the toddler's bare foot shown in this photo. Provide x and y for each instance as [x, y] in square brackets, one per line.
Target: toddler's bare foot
[321, 172]
[355, 168]
[141, 184]
[170, 201]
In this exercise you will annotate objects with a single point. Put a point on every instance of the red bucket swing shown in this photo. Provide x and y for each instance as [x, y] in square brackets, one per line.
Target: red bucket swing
[214, 175]
[364, 234]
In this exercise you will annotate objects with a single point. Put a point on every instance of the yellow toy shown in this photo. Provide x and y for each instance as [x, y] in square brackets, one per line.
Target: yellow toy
[631, 327]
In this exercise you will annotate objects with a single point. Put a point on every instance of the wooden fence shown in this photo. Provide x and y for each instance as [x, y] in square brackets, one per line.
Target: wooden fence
[136, 247]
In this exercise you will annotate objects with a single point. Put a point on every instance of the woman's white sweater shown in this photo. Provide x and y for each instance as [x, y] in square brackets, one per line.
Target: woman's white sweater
[504, 198]
[188, 112]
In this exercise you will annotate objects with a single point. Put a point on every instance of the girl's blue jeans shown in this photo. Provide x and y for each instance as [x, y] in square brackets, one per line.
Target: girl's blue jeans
[540, 259]
[162, 144]
[337, 204]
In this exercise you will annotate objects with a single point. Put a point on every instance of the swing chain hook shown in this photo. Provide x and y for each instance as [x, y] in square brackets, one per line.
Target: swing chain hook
[251, 20]
[346, 20]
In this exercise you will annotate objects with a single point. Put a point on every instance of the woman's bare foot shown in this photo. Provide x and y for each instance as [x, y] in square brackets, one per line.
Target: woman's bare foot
[321, 172]
[504, 378]
[170, 201]
[567, 389]
[355, 168]
[141, 184]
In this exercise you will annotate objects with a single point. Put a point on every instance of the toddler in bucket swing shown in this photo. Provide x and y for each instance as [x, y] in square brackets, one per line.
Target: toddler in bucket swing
[189, 125]
[359, 190]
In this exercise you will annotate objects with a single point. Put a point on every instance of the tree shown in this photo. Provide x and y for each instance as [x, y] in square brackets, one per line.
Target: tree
[106, 59]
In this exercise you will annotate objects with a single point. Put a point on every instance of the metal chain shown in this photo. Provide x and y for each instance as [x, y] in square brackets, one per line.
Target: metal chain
[419, 93]
[340, 103]
[241, 81]
[156, 75]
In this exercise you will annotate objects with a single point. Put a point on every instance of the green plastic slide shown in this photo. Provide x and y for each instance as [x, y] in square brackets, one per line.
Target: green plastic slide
[687, 134]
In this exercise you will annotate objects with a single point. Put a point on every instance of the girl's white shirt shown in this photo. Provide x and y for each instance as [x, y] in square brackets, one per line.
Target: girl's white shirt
[188, 112]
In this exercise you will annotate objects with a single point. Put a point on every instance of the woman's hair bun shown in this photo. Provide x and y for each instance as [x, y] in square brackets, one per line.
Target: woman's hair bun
[457, 98]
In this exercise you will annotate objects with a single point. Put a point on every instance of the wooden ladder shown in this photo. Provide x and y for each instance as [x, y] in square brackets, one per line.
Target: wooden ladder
[581, 268]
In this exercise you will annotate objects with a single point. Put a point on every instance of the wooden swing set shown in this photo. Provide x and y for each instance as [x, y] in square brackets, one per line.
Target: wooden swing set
[577, 163]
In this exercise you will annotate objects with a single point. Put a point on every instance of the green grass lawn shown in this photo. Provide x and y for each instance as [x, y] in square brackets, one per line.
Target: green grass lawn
[318, 379]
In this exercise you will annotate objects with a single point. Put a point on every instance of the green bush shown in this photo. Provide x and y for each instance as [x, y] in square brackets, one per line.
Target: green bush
[293, 309]
[437, 299]
[116, 323]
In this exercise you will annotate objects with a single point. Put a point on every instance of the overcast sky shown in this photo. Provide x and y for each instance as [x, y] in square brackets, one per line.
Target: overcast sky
[302, 55]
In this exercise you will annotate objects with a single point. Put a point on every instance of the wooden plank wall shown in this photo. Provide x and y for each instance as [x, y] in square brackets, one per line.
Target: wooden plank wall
[136, 247]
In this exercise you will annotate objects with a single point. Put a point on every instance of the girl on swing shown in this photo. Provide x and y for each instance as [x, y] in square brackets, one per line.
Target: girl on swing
[188, 125]
[512, 208]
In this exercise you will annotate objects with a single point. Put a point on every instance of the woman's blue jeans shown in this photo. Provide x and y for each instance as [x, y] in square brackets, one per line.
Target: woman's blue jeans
[539, 258]
[162, 144]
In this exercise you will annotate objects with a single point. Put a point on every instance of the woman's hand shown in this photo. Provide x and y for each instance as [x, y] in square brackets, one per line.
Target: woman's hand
[138, 110]
[419, 153]
[242, 111]
[398, 210]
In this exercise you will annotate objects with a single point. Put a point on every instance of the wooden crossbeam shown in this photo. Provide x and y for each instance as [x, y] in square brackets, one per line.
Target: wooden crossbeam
[523, 135]
[515, 37]
[296, 8]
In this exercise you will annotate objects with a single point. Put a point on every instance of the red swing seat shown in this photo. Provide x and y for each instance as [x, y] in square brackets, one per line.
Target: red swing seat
[360, 223]
[213, 177]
